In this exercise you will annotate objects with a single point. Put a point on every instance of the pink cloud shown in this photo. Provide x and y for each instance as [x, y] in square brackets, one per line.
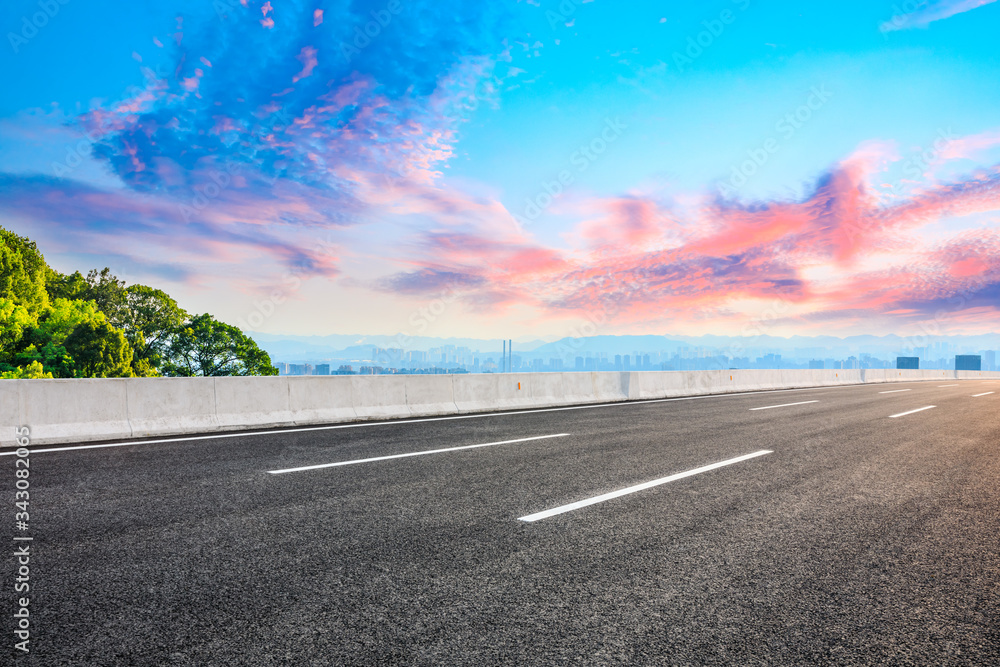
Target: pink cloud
[266, 8]
[642, 262]
[629, 222]
[970, 146]
[307, 56]
[231, 236]
[317, 17]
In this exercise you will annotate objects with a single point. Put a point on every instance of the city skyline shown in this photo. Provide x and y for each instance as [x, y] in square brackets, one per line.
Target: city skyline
[630, 353]
[555, 168]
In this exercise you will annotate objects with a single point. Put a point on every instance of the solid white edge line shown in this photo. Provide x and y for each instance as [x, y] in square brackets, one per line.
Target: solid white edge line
[408, 454]
[903, 414]
[986, 394]
[402, 422]
[786, 405]
[895, 391]
[398, 422]
[638, 487]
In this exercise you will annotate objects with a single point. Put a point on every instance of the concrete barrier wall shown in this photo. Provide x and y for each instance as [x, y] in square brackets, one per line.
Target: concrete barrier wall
[313, 400]
[429, 394]
[161, 406]
[72, 410]
[68, 411]
[252, 401]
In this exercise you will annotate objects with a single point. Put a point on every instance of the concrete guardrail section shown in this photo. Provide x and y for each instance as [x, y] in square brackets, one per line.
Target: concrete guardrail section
[68, 411]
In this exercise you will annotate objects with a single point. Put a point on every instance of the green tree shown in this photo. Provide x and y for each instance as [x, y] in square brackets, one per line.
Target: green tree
[146, 315]
[65, 286]
[22, 272]
[47, 342]
[14, 319]
[33, 371]
[151, 317]
[64, 315]
[99, 350]
[205, 346]
[102, 287]
[71, 325]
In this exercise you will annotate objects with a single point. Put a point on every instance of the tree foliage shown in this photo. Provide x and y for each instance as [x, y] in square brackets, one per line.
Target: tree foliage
[14, 319]
[33, 371]
[102, 287]
[22, 271]
[74, 325]
[151, 318]
[65, 286]
[99, 350]
[45, 342]
[207, 347]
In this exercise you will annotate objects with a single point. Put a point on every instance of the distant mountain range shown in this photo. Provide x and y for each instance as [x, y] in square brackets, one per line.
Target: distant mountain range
[291, 348]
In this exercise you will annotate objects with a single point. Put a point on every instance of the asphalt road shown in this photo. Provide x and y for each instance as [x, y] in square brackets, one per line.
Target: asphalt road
[859, 539]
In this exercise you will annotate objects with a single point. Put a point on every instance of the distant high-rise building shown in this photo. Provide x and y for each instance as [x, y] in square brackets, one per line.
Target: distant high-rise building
[646, 363]
[968, 362]
[908, 363]
[990, 360]
[769, 361]
[322, 369]
[590, 364]
[618, 362]
[816, 364]
[626, 363]
[555, 364]
[578, 363]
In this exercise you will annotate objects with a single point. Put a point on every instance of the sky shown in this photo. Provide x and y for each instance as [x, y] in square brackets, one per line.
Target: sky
[522, 169]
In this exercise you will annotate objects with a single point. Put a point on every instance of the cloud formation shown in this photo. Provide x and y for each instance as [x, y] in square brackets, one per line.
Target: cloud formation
[646, 262]
[286, 136]
[267, 129]
[927, 11]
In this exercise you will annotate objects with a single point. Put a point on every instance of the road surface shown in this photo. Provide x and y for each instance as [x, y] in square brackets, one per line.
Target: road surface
[843, 525]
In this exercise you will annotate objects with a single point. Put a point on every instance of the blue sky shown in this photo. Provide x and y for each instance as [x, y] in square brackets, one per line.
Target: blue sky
[264, 162]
